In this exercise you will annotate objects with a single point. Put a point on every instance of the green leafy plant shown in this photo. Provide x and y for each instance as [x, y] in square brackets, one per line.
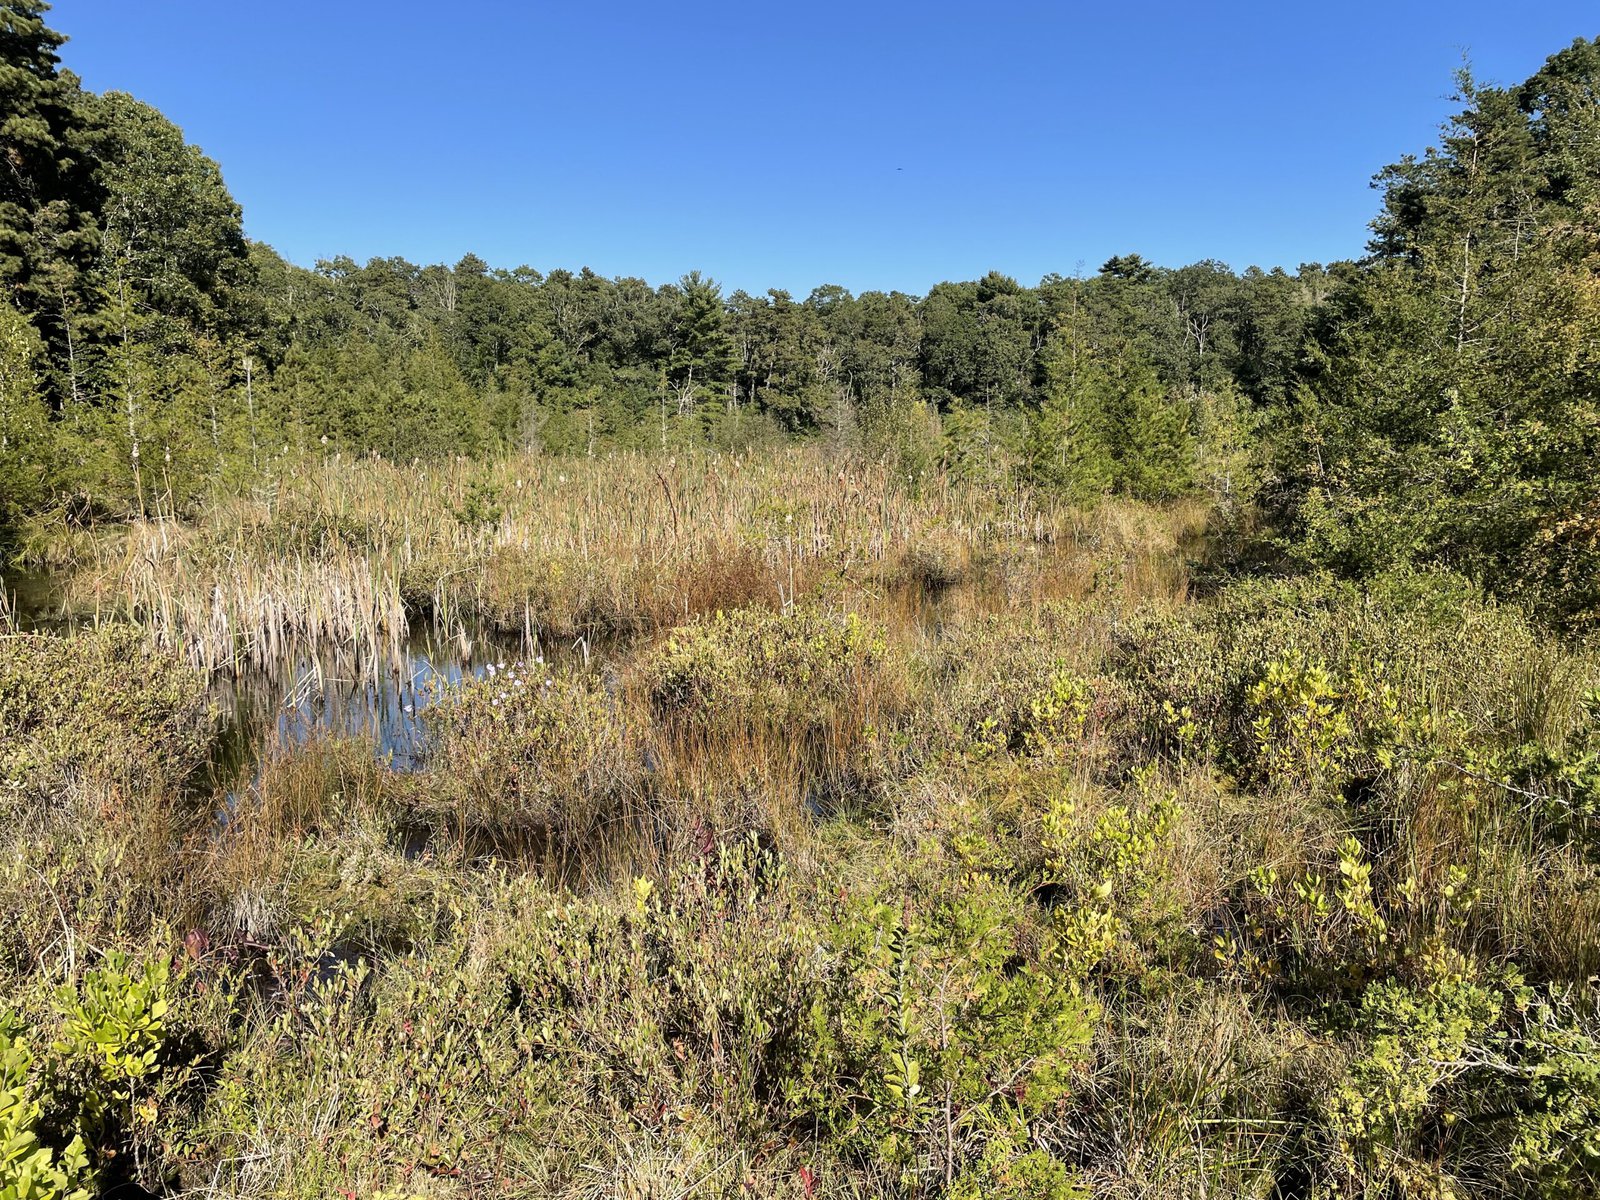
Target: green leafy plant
[1107, 868]
[935, 1035]
[753, 668]
[115, 1033]
[1417, 1041]
[30, 1170]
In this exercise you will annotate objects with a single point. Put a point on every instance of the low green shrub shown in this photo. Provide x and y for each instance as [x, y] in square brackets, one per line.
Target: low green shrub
[1555, 1139]
[690, 996]
[944, 1034]
[116, 1065]
[1394, 1099]
[99, 706]
[1464, 1067]
[105, 1103]
[752, 670]
[524, 752]
[1193, 675]
[362, 1077]
[537, 1028]
[1108, 871]
[29, 1169]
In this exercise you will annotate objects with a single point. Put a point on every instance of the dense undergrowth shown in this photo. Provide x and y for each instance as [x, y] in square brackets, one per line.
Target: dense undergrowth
[932, 845]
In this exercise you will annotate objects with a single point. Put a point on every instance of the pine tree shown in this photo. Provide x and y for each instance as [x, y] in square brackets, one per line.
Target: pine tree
[24, 433]
[1452, 414]
[1067, 446]
[1148, 431]
[49, 199]
[701, 364]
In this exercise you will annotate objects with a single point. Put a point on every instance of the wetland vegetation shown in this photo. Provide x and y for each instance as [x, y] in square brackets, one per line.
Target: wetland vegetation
[480, 733]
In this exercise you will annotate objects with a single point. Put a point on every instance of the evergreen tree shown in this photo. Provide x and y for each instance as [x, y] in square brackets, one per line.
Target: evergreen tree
[49, 200]
[24, 445]
[701, 363]
[1068, 448]
[1452, 416]
[1147, 429]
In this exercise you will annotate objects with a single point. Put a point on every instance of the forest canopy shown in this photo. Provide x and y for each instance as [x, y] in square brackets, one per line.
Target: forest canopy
[1431, 404]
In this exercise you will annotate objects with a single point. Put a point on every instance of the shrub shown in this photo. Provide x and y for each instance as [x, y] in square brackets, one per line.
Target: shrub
[96, 707]
[107, 1082]
[113, 1057]
[1556, 1135]
[115, 1025]
[691, 995]
[537, 1026]
[523, 752]
[30, 1170]
[1015, 685]
[1313, 728]
[1467, 1065]
[751, 669]
[363, 1076]
[804, 696]
[1009, 1168]
[939, 1038]
[1107, 869]
[1417, 1041]
[1196, 669]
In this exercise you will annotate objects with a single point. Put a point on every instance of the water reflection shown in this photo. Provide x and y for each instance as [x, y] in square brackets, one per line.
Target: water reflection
[30, 600]
[374, 692]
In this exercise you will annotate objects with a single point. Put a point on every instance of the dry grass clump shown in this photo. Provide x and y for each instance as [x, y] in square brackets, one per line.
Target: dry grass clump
[1193, 1095]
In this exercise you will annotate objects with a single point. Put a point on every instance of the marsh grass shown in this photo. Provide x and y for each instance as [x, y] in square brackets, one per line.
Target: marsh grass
[851, 810]
[348, 552]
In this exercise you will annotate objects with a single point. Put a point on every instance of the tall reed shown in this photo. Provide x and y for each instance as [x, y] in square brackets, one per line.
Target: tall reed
[348, 552]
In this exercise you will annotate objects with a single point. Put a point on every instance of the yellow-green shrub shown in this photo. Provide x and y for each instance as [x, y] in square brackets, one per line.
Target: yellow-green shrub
[754, 670]
[941, 1031]
[30, 1170]
[96, 706]
[524, 751]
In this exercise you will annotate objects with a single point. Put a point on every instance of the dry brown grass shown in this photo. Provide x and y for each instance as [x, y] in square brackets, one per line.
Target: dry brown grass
[345, 552]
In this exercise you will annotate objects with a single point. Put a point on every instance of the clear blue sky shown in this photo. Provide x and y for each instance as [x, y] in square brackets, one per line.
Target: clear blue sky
[885, 145]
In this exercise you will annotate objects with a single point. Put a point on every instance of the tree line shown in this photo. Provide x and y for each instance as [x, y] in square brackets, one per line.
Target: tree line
[1431, 403]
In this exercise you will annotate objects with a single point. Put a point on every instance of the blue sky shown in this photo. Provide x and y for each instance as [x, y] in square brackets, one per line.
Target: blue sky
[876, 145]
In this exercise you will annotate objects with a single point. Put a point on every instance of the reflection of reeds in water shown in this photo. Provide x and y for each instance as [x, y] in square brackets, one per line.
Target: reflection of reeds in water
[369, 693]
